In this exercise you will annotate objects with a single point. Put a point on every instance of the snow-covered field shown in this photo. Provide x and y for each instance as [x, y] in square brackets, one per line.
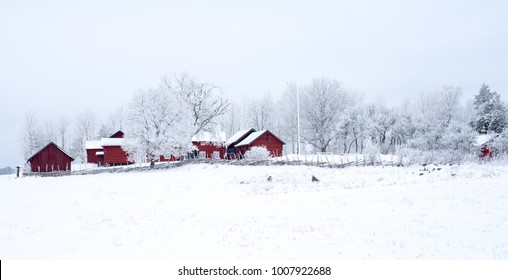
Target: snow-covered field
[232, 212]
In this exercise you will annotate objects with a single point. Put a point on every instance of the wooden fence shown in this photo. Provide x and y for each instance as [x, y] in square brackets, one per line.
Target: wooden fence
[325, 161]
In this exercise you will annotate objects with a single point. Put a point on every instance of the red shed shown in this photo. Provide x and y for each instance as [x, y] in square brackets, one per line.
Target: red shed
[261, 138]
[485, 145]
[50, 158]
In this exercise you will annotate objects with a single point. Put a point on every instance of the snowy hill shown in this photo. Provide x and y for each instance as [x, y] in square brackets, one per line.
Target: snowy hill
[229, 212]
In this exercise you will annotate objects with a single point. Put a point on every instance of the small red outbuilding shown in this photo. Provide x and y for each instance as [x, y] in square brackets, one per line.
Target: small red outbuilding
[51, 158]
[261, 138]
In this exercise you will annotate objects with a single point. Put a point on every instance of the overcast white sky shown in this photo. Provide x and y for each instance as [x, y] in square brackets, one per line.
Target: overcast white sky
[63, 57]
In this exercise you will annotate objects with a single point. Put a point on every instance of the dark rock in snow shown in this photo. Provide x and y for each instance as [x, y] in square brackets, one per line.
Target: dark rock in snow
[269, 179]
[314, 179]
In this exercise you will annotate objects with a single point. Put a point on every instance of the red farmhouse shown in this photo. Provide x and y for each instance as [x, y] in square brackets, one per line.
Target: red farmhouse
[49, 159]
[243, 140]
[210, 145]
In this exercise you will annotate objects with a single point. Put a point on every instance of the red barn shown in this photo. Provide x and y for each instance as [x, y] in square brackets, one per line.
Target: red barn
[232, 152]
[107, 151]
[49, 159]
[261, 138]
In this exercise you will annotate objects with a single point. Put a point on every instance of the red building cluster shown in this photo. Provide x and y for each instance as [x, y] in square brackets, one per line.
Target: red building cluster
[109, 151]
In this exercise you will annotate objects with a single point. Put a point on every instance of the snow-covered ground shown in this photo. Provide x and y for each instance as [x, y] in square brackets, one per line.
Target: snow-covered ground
[232, 212]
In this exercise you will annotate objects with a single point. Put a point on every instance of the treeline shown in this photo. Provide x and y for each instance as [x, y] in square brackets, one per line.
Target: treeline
[333, 119]
[6, 170]
[337, 120]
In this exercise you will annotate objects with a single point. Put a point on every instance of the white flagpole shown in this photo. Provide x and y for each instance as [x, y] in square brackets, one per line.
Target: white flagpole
[297, 121]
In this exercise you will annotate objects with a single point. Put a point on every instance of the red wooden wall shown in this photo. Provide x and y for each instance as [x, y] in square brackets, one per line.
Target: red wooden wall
[91, 157]
[115, 155]
[209, 148]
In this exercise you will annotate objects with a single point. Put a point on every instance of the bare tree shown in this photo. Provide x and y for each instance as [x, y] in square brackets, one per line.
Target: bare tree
[116, 119]
[260, 113]
[203, 100]
[63, 131]
[235, 118]
[323, 101]
[31, 136]
[50, 133]
[86, 125]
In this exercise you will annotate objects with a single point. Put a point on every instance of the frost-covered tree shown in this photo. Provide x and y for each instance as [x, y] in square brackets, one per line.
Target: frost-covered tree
[382, 121]
[62, 128]
[286, 117]
[84, 130]
[449, 106]
[322, 103]
[490, 111]
[203, 99]
[158, 124]
[257, 153]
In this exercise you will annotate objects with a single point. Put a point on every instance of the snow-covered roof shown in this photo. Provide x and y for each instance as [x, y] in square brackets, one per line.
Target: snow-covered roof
[236, 136]
[209, 137]
[112, 142]
[99, 153]
[484, 138]
[253, 136]
[93, 145]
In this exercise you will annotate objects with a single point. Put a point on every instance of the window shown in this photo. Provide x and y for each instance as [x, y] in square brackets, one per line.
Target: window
[267, 137]
[216, 155]
[202, 154]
